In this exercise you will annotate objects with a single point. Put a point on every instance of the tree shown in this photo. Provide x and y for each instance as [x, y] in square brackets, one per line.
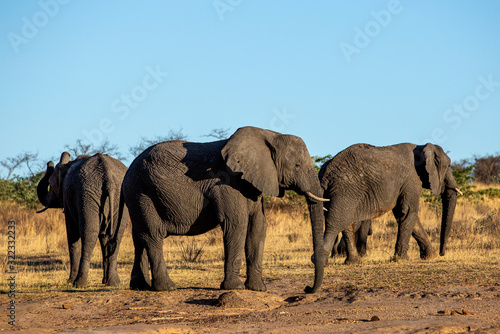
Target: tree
[14, 162]
[319, 161]
[80, 148]
[219, 133]
[487, 169]
[146, 142]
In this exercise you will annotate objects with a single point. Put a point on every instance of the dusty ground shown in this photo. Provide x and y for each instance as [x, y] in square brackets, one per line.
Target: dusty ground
[283, 309]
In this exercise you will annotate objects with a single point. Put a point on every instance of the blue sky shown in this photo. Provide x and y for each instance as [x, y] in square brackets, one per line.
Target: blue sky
[332, 72]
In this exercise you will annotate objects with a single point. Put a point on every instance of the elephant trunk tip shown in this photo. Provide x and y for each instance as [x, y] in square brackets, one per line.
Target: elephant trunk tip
[308, 289]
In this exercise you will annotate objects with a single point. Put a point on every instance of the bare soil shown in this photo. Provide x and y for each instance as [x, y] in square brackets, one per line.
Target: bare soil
[284, 308]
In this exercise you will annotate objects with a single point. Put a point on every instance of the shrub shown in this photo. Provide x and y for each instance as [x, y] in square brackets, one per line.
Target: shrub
[487, 169]
[191, 251]
[21, 190]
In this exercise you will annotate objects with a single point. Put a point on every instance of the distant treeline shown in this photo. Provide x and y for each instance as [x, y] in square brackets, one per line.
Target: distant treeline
[22, 189]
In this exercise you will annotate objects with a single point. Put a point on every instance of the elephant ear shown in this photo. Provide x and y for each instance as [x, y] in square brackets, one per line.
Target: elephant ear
[432, 166]
[249, 152]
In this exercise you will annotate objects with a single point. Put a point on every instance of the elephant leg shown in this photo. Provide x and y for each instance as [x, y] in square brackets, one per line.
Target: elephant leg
[109, 263]
[89, 239]
[160, 279]
[338, 247]
[110, 255]
[337, 220]
[350, 245]
[139, 279]
[426, 250]
[234, 235]
[362, 234]
[407, 217]
[254, 250]
[105, 258]
[74, 247]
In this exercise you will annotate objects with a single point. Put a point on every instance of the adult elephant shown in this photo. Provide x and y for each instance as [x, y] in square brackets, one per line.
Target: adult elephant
[185, 188]
[88, 189]
[365, 181]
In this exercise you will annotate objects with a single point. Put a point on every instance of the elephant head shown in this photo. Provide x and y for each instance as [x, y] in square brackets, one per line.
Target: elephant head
[49, 189]
[433, 167]
[273, 162]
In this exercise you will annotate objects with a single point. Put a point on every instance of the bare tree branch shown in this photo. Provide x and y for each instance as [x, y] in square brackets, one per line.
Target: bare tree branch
[219, 133]
[80, 147]
[14, 162]
[147, 142]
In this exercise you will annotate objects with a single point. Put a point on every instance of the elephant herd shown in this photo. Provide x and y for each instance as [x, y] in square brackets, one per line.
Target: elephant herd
[184, 188]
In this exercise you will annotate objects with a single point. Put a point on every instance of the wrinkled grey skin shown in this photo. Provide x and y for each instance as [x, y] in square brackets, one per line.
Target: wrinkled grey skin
[361, 232]
[184, 188]
[364, 181]
[88, 188]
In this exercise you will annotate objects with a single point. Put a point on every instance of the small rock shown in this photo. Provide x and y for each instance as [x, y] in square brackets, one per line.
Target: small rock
[375, 318]
[465, 312]
[66, 307]
[295, 299]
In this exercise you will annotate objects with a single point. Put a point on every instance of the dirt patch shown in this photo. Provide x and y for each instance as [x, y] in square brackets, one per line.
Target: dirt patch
[283, 309]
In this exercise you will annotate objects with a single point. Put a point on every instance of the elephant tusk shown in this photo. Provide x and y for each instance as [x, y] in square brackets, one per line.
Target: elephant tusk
[458, 191]
[40, 211]
[325, 209]
[316, 198]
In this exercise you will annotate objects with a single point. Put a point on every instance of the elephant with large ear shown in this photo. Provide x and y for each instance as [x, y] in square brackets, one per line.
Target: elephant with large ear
[88, 189]
[365, 181]
[185, 188]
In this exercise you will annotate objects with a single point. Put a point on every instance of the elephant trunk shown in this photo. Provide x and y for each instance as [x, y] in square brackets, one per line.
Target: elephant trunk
[449, 198]
[317, 222]
[42, 188]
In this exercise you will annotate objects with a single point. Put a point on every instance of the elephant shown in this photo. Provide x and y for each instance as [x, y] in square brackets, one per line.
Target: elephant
[88, 189]
[362, 230]
[188, 188]
[365, 181]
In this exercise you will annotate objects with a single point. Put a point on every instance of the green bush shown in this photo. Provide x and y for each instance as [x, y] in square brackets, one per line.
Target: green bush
[21, 190]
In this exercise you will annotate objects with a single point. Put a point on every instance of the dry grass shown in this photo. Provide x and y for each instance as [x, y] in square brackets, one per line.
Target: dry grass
[472, 257]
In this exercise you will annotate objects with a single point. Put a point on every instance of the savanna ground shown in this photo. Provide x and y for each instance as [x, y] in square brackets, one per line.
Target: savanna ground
[457, 293]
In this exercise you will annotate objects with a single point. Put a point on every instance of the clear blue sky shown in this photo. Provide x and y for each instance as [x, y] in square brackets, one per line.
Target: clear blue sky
[332, 72]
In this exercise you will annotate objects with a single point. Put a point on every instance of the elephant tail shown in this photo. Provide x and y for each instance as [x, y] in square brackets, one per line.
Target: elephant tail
[115, 224]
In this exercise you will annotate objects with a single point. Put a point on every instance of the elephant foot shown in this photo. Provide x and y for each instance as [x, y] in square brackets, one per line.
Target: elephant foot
[255, 285]
[163, 285]
[80, 282]
[362, 252]
[234, 284]
[352, 260]
[71, 279]
[114, 280]
[397, 258]
[428, 253]
[141, 285]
